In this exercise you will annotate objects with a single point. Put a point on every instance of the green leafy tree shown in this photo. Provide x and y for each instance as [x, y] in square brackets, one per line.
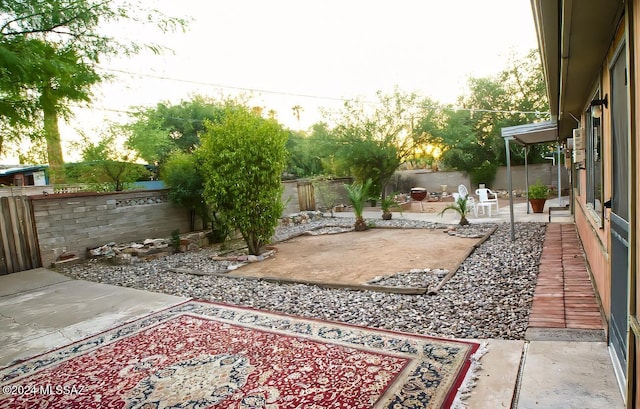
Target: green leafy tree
[372, 141]
[243, 157]
[65, 81]
[463, 150]
[322, 147]
[297, 110]
[182, 175]
[49, 50]
[304, 160]
[35, 154]
[105, 166]
[165, 128]
[313, 154]
[470, 137]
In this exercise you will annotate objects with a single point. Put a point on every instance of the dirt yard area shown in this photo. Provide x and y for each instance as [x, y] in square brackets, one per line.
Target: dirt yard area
[354, 258]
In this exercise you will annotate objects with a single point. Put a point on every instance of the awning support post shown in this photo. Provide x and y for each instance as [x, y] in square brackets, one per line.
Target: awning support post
[559, 178]
[526, 175]
[510, 188]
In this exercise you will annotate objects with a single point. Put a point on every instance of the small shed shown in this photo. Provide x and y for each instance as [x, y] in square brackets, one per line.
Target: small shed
[23, 175]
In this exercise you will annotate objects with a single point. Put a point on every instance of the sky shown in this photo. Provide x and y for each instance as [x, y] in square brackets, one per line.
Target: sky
[310, 53]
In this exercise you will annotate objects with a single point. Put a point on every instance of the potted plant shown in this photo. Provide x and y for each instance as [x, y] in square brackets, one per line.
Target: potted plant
[537, 195]
[358, 195]
[460, 207]
[386, 204]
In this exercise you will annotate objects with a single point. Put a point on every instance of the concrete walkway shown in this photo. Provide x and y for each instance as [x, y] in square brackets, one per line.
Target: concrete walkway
[41, 310]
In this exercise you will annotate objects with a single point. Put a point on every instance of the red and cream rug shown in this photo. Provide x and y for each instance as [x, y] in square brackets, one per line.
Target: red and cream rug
[206, 355]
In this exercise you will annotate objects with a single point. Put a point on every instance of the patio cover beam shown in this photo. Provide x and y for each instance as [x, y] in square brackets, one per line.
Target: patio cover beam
[526, 135]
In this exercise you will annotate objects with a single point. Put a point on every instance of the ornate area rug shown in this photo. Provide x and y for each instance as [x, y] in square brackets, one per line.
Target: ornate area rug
[206, 355]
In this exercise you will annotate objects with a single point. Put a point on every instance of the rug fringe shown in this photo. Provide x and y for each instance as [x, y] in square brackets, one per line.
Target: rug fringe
[470, 379]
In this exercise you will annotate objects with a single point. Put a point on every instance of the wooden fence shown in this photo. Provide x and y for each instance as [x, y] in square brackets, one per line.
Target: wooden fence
[19, 248]
[306, 197]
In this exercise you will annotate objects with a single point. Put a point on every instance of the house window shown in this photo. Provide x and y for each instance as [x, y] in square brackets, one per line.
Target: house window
[593, 164]
[619, 138]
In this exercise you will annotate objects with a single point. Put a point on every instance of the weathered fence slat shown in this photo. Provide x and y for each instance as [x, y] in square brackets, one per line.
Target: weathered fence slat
[306, 197]
[15, 233]
[7, 240]
[29, 225]
[5, 260]
[24, 232]
[18, 238]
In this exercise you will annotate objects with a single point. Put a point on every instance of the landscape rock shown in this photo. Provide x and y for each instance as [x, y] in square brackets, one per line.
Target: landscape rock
[489, 296]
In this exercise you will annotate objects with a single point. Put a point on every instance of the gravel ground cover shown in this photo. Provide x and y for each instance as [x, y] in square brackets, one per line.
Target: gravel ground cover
[489, 296]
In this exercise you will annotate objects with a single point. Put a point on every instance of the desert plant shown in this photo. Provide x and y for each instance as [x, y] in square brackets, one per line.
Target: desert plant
[538, 191]
[386, 203]
[327, 194]
[460, 207]
[358, 195]
[175, 240]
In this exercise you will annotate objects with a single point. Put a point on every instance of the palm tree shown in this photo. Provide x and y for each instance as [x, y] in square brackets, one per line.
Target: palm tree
[386, 203]
[358, 195]
[460, 207]
[297, 109]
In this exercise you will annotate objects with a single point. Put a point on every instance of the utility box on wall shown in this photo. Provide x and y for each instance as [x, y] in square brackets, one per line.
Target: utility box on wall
[578, 139]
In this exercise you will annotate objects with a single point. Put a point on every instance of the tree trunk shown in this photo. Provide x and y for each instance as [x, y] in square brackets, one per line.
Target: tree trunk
[192, 220]
[360, 225]
[52, 137]
[253, 244]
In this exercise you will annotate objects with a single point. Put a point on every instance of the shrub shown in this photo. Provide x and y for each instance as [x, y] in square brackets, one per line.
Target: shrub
[538, 191]
[243, 157]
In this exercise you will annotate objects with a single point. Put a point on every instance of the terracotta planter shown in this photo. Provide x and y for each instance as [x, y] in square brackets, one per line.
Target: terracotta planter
[537, 205]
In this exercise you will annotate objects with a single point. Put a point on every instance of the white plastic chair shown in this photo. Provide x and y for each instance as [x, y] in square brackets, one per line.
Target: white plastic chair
[487, 198]
[471, 202]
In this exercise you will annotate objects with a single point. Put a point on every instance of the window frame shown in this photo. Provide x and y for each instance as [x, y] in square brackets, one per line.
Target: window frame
[594, 186]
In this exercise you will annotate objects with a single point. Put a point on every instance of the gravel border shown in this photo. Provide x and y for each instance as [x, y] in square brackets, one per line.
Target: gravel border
[489, 296]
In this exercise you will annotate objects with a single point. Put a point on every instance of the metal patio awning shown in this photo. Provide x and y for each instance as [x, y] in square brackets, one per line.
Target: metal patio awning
[530, 134]
[526, 135]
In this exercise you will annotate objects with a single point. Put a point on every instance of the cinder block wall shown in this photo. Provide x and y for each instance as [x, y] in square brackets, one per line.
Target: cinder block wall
[290, 194]
[546, 173]
[76, 221]
[404, 180]
[432, 181]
